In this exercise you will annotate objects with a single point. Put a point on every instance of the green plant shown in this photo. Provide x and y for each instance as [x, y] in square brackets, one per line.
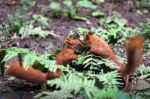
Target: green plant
[31, 57]
[88, 83]
[82, 31]
[142, 4]
[19, 18]
[146, 33]
[40, 19]
[86, 4]
[4, 32]
[113, 29]
[94, 62]
[16, 21]
[20, 25]
[146, 29]
[70, 9]
[26, 4]
[143, 70]
[29, 30]
[97, 14]
[112, 34]
[116, 28]
[83, 86]
[55, 8]
[114, 20]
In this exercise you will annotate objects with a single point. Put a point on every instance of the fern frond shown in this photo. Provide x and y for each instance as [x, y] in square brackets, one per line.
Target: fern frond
[31, 57]
[84, 85]
[14, 51]
[108, 63]
[143, 70]
[94, 62]
[73, 82]
[67, 82]
[110, 79]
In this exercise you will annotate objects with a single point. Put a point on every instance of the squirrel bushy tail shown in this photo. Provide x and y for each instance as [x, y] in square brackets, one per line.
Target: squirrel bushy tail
[134, 50]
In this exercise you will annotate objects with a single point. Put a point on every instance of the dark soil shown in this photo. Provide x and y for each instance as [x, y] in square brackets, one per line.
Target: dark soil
[61, 27]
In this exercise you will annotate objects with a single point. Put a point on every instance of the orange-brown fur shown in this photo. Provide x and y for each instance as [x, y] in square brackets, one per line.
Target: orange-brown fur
[66, 56]
[68, 52]
[101, 47]
[134, 50]
[30, 75]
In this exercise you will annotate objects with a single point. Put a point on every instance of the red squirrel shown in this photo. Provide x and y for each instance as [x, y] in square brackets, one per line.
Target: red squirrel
[68, 52]
[134, 50]
[101, 47]
[30, 75]
[35, 76]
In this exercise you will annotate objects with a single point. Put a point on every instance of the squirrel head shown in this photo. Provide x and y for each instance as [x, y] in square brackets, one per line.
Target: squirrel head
[72, 43]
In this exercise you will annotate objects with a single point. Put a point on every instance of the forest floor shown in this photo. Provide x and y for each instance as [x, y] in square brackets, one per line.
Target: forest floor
[61, 27]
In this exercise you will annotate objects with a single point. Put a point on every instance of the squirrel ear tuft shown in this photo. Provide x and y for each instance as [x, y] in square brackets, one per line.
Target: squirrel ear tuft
[90, 33]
